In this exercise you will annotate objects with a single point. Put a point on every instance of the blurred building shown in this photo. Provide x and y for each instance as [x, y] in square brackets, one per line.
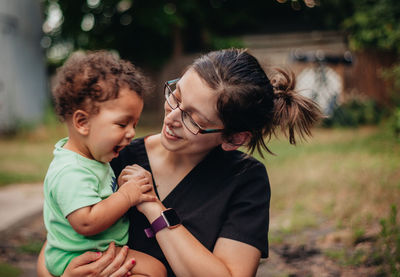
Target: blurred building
[326, 70]
[23, 85]
[319, 59]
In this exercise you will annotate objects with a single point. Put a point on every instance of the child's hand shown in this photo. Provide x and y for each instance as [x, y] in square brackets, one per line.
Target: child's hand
[136, 185]
[133, 172]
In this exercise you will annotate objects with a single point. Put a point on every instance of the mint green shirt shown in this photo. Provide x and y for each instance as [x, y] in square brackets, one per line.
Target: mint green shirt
[73, 182]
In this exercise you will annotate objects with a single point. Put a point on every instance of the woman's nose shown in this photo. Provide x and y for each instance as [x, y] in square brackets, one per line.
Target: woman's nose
[172, 116]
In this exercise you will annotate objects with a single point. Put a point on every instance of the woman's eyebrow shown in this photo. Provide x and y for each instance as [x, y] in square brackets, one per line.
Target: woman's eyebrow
[193, 109]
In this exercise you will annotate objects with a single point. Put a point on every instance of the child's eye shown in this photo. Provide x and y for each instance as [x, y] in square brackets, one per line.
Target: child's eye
[121, 125]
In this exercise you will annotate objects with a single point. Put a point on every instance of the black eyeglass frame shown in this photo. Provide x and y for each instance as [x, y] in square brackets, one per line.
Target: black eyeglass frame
[167, 92]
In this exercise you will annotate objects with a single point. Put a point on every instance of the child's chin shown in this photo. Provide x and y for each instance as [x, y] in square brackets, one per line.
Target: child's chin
[115, 155]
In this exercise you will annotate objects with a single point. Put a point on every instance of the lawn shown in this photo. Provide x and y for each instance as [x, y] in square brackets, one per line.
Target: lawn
[341, 179]
[349, 175]
[26, 156]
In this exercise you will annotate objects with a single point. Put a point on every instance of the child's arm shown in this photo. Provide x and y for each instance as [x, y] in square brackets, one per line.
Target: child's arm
[94, 219]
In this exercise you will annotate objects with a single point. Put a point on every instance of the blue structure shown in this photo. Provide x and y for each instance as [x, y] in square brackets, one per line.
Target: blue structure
[23, 80]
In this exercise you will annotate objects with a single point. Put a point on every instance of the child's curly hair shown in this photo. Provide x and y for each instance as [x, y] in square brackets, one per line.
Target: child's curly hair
[92, 77]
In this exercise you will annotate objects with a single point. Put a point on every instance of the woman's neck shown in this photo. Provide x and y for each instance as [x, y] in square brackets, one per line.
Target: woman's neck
[163, 162]
[173, 159]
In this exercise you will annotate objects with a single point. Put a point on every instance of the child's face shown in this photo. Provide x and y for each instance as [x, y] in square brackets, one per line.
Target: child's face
[113, 127]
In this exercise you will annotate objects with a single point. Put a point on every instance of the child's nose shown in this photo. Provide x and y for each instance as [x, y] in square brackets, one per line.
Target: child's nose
[131, 133]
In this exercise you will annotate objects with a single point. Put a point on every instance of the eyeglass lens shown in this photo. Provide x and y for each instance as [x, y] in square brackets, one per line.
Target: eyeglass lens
[173, 103]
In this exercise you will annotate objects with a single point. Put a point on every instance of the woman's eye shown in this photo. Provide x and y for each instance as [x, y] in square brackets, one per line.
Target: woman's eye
[192, 120]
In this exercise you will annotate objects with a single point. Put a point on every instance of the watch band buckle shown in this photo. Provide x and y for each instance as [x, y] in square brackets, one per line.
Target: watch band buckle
[149, 232]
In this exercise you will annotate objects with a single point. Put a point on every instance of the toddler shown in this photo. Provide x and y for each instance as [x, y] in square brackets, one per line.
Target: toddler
[99, 97]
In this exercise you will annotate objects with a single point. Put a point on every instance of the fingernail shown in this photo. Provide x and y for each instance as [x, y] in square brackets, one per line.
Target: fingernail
[98, 254]
[133, 261]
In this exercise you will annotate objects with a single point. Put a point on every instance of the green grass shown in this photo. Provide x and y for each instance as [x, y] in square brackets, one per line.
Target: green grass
[350, 176]
[346, 259]
[26, 156]
[7, 270]
[31, 247]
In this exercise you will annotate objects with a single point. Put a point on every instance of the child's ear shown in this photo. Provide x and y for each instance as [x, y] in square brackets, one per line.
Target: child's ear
[236, 141]
[80, 121]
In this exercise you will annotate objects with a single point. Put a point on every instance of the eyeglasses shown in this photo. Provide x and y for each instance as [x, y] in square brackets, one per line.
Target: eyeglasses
[188, 122]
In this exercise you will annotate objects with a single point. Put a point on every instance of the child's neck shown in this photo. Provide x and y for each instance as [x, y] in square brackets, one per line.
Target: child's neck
[76, 146]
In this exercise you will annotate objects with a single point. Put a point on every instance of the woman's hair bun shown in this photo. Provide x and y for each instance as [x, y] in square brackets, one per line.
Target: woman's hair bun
[283, 83]
[293, 112]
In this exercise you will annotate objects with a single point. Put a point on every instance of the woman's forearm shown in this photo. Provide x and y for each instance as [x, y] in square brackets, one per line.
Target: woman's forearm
[41, 269]
[185, 254]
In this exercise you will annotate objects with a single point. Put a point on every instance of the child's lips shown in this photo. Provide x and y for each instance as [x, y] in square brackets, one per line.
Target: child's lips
[118, 148]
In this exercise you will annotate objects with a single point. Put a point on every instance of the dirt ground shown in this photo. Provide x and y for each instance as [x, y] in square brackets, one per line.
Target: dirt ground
[303, 254]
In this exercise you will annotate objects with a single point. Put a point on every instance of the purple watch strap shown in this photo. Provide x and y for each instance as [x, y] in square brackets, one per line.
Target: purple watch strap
[157, 225]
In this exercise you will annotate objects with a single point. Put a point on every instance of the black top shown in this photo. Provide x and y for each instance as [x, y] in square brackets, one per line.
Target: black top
[225, 195]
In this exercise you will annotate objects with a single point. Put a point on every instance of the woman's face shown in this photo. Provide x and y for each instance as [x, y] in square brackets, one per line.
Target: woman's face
[199, 101]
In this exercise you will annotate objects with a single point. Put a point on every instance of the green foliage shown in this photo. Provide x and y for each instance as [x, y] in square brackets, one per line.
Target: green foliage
[222, 43]
[390, 243]
[392, 75]
[354, 113]
[148, 32]
[374, 25]
[396, 122]
[7, 270]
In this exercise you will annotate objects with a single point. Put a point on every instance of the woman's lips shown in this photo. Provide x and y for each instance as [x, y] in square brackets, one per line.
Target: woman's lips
[170, 133]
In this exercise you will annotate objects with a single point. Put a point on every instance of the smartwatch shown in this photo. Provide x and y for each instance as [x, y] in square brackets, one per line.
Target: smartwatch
[168, 219]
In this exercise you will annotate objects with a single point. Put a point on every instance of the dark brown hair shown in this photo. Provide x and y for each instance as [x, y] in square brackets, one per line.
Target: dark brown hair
[249, 101]
[89, 78]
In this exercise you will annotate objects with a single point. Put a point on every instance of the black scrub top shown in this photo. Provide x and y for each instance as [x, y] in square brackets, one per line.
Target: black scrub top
[226, 195]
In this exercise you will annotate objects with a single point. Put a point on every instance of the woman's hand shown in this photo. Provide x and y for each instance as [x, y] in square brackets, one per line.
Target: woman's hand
[101, 264]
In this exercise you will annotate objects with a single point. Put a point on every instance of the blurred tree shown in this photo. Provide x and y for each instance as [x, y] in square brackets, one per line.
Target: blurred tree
[375, 24]
[149, 32]
[374, 28]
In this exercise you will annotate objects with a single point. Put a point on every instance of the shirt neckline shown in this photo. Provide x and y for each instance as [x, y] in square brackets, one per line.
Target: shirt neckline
[185, 180]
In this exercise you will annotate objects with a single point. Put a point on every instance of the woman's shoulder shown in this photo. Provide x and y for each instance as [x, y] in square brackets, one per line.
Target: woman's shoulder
[234, 163]
[238, 158]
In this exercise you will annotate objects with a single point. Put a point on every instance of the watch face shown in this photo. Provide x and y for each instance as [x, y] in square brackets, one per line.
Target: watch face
[172, 217]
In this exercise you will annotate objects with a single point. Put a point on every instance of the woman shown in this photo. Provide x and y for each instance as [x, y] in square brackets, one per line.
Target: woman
[223, 101]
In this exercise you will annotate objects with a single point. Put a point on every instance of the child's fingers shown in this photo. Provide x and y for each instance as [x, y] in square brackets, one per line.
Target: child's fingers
[137, 183]
[148, 198]
[140, 170]
[146, 188]
[135, 177]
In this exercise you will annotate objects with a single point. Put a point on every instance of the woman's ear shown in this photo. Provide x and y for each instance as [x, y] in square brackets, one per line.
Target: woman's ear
[80, 121]
[236, 141]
